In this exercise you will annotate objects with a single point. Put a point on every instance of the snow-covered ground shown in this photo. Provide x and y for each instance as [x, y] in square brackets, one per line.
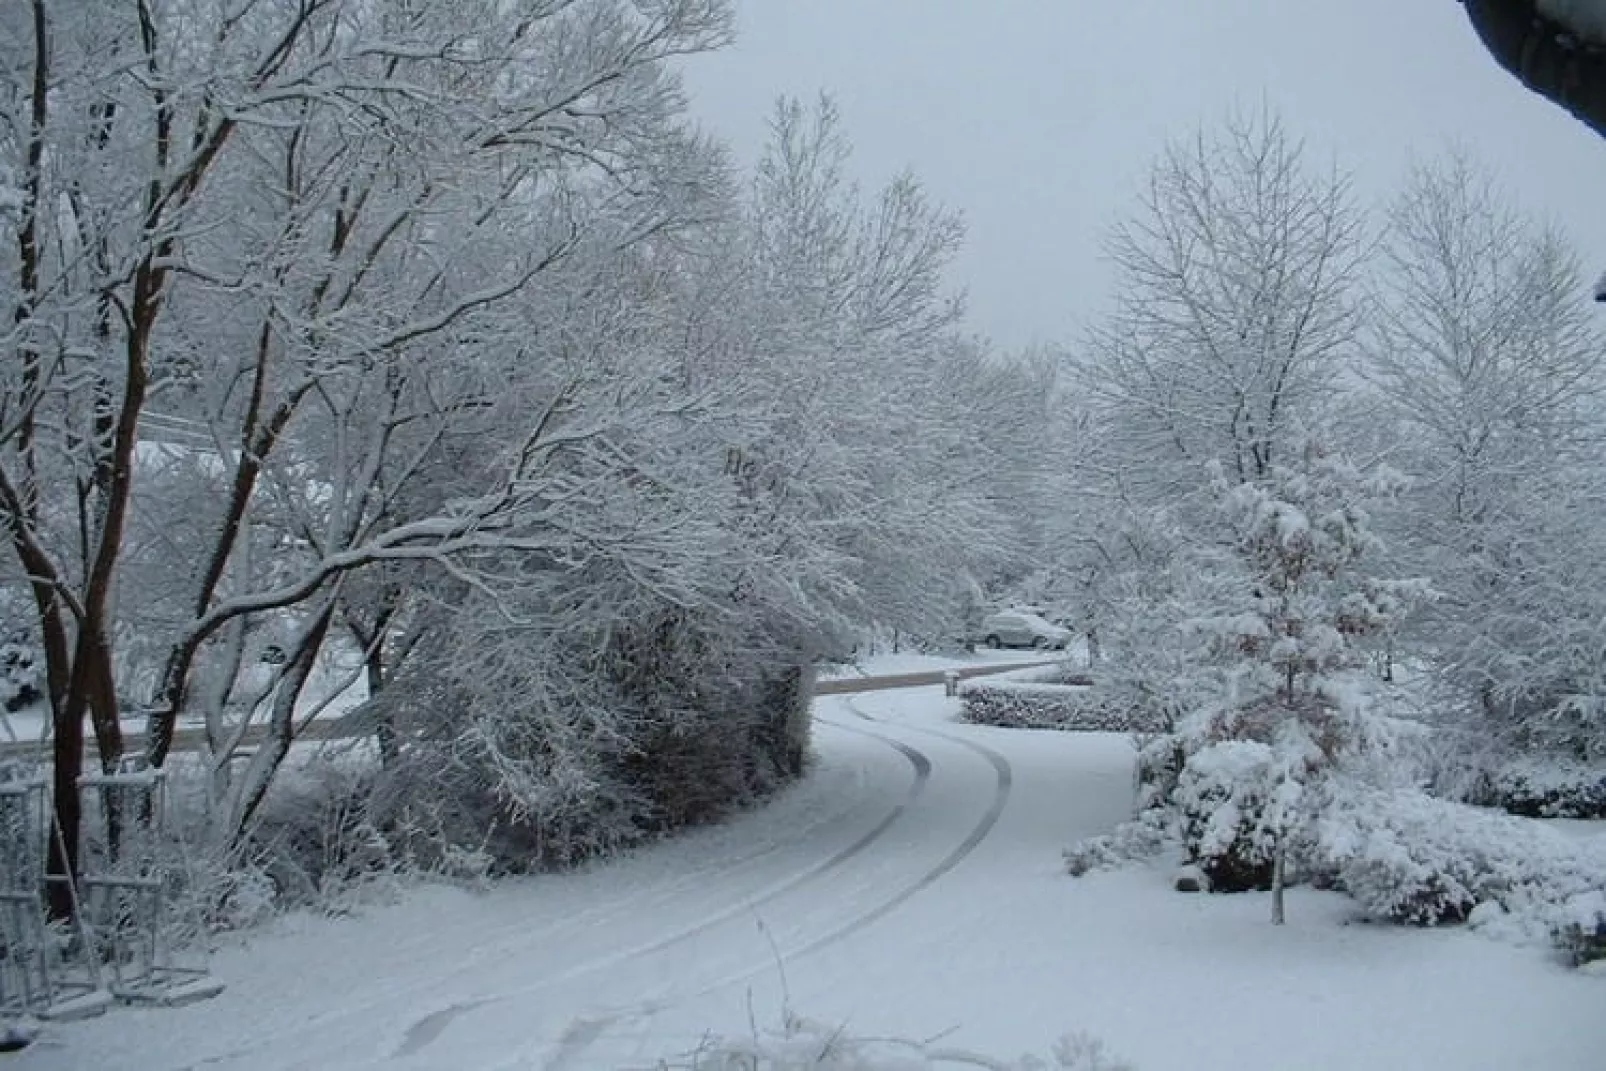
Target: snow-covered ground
[911, 887]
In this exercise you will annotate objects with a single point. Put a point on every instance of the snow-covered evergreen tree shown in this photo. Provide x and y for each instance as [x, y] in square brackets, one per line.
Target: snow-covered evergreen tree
[1279, 702]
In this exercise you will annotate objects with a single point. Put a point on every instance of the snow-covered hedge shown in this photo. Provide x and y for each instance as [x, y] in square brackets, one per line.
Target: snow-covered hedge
[1546, 786]
[1410, 858]
[1048, 703]
[1472, 763]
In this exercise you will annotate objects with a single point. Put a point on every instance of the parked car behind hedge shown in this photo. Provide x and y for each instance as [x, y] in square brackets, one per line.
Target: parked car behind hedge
[1016, 628]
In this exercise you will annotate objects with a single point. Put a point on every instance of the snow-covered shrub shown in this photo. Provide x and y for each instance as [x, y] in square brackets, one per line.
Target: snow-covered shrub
[804, 1045]
[739, 749]
[214, 886]
[1143, 837]
[1584, 941]
[1224, 796]
[328, 837]
[318, 838]
[1407, 857]
[1471, 762]
[215, 895]
[19, 675]
[801, 1044]
[21, 660]
[1013, 705]
[544, 747]
[1079, 1051]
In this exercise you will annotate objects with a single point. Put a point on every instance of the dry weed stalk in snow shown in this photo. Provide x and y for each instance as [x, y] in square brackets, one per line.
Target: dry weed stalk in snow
[801, 1044]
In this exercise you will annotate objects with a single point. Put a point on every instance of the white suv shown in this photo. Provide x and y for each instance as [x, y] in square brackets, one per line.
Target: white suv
[1013, 628]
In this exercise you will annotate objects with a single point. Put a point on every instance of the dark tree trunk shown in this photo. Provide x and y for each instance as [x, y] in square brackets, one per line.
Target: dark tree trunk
[67, 765]
[90, 692]
[385, 727]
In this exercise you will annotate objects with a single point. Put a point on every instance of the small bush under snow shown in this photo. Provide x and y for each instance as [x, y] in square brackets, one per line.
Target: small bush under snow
[1224, 797]
[1144, 837]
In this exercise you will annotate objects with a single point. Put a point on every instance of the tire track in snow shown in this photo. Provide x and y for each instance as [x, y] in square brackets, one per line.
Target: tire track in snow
[922, 770]
[1004, 783]
[423, 1032]
[583, 1033]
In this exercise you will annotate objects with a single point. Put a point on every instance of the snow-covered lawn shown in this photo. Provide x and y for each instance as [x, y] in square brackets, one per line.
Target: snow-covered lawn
[911, 887]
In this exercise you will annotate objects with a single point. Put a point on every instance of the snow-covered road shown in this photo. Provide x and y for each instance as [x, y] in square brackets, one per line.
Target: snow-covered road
[910, 887]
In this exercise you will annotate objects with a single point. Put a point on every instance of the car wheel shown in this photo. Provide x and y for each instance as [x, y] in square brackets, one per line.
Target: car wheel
[1038, 643]
[994, 642]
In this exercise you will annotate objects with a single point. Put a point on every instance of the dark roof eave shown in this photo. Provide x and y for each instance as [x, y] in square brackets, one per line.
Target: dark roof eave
[1545, 55]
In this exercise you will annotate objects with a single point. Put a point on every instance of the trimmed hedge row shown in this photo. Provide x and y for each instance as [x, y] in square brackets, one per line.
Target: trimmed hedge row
[1014, 704]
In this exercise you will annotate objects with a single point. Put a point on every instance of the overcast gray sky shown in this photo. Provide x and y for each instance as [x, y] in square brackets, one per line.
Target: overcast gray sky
[1037, 118]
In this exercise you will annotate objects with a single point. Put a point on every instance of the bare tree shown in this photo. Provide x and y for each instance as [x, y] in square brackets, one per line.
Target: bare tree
[1234, 310]
[1485, 353]
[870, 471]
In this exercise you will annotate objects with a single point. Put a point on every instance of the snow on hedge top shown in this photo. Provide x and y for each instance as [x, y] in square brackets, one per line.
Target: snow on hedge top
[1586, 19]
